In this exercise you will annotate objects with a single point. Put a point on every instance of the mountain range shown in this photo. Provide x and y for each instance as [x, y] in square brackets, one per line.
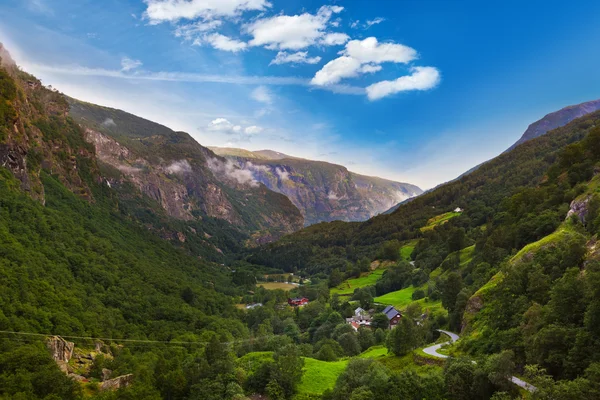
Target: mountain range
[322, 191]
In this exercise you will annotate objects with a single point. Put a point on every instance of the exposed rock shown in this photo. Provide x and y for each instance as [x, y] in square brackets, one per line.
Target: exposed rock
[106, 374]
[579, 207]
[61, 351]
[78, 378]
[117, 383]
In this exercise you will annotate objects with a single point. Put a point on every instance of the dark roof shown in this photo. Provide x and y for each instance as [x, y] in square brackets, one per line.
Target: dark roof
[390, 312]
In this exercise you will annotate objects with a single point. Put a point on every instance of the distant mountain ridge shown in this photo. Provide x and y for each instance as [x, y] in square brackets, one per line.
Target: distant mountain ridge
[322, 191]
[557, 119]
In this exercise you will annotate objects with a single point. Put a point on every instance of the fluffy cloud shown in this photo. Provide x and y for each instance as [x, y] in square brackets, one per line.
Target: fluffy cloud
[291, 32]
[362, 57]
[109, 122]
[334, 39]
[301, 57]
[262, 94]
[128, 64]
[253, 130]
[158, 11]
[371, 51]
[224, 126]
[336, 70]
[225, 43]
[422, 78]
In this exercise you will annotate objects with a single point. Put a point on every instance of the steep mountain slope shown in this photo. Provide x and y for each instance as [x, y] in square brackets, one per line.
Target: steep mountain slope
[188, 180]
[556, 120]
[322, 191]
[480, 194]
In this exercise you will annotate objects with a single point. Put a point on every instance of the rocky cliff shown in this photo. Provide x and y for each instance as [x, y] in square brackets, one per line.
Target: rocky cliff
[322, 191]
[186, 179]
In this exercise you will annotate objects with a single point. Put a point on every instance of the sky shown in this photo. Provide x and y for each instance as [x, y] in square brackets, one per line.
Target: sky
[417, 91]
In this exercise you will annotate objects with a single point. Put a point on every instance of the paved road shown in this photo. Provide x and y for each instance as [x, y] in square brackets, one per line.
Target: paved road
[432, 351]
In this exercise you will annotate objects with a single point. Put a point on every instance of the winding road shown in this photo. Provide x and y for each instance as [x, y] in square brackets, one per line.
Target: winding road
[432, 351]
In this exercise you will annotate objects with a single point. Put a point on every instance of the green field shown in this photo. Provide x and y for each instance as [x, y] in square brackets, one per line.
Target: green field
[374, 352]
[320, 375]
[439, 220]
[277, 285]
[367, 279]
[398, 299]
[407, 249]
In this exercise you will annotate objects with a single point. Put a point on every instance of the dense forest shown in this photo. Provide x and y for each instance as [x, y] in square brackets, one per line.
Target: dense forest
[516, 274]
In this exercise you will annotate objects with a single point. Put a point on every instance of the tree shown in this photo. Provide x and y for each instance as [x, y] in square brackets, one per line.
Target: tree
[350, 344]
[450, 289]
[335, 278]
[404, 338]
[380, 321]
[459, 376]
[287, 369]
[366, 338]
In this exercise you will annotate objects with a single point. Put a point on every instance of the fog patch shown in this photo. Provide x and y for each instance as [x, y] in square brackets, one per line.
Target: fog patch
[109, 123]
[179, 167]
[230, 171]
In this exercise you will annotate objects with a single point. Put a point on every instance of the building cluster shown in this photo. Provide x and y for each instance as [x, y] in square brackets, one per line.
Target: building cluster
[363, 318]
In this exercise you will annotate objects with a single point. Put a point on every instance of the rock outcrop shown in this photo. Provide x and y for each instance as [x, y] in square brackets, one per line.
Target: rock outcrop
[61, 350]
[117, 383]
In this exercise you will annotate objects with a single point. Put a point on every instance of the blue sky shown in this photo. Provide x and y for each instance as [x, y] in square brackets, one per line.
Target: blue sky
[418, 91]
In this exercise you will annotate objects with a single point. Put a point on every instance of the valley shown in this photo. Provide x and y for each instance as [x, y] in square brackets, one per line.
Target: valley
[137, 263]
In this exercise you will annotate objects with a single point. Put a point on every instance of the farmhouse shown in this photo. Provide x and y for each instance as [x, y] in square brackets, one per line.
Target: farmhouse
[298, 301]
[392, 315]
[458, 210]
[360, 318]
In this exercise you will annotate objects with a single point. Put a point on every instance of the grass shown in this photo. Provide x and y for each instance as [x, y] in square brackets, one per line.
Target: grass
[374, 352]
[407, 249]
[366, 279]
[398, 299]
[319, 375]
[439, 220]
[277, 285]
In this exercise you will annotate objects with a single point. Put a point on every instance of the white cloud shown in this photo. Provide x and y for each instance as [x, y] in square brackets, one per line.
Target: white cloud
[226, 169]
[291, 32]
[190, 31]
[179, 167]
[336, 70]
[128, 64]
[225, 43]
[109, 122]
[422, 78]
[370, 50]
[375, 21]
[223, 125]
[301, 57]
[282, 174]
[362, 57]
[158, 11]
[253, 130]
[334, 39]
[262, 94]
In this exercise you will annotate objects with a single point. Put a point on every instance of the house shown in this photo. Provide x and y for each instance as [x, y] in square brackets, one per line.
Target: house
[392, 315]
[458, 210]
[359, 311]
[298, 301]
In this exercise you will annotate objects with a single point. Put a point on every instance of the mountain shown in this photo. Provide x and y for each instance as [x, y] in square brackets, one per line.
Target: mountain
[556, 120]
[187, 180]
[322, 191]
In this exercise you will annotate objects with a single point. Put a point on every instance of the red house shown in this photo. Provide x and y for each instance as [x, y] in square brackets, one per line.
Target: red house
[298, 301]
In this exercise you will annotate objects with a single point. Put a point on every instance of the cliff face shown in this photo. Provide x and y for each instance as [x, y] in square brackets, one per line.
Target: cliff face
[187, 180]
[153, 169]
[322, 191]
